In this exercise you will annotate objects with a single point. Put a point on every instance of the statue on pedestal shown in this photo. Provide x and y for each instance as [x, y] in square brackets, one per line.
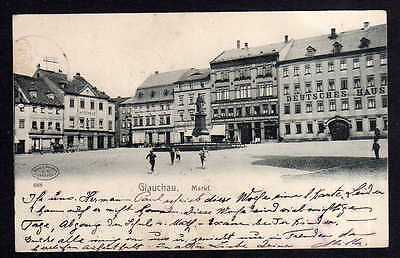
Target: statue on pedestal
[200, 118]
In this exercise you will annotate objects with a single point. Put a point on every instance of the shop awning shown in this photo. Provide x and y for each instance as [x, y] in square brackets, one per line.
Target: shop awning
[218, 130]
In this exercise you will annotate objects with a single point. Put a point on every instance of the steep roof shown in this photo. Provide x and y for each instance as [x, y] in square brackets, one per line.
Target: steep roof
[160, 79]
[240, 53]
[74, 86]
[27, 84]
[119, 99]
[195, 74]
[350, 41]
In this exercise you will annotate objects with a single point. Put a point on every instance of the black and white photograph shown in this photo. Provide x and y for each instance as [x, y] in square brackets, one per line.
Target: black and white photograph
[200, 131]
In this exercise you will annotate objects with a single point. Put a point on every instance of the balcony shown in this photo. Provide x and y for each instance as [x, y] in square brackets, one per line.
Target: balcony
[45, 131]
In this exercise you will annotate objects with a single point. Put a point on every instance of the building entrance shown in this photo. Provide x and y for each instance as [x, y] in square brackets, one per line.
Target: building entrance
[245, 133]
[270, 132]
[20, 148]
[90, 142]
[182, 137]
[100, 142]
[167, 138]
[339, 128]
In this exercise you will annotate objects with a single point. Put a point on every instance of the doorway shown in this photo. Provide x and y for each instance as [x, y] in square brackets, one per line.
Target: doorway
[339, 130]
[270, 132]
[167, 138]
[90, 142]
[245, 133]
[20, 148]
[182, 137]
[100, 142]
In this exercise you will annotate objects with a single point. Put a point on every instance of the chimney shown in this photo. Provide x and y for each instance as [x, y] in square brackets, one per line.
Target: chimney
[286, 38]
[78, 74]
[365, 25]
[246, 45]
[59, 70]
[156, 72]
[333, 33]
[237, 44]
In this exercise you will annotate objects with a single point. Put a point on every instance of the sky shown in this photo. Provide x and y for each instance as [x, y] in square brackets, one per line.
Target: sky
[116, 52]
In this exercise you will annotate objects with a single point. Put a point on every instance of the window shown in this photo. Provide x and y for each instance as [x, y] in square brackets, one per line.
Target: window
[297, 108]
[297, 88]
[285, 71]
[58, 127]
[147, 120]
[273, 109]
[100, 106]
[331, 66]
[357, 103]
[356, 82]
[101, 123]
[296, 70]
[383, 59]
[57, 111]
[153, 120]
[321, 127]
[359, 125]
[81, 122]
[356, 62]
[307, 69]
[162, 120]
[287, 129]
[371, 103]
[331, 84]
[245, 91]
[82, 103]
[320, 106]
[91, 122]
[50, 125]
[110, 125]
[256, 110]
[34, 125]
[308, 87]
[309, 127]
[42, 109]
[384, 101]
[34, 109]
[345, 104]
[385, 124]
[247, 110]
[110, 110]
[287, 108]
[372, 124]
[180, 100]
[266, 90]
[298, 128]
[318, 68]
[71, 122]
[332, 105]
[167, 120]
[42, 125]
[239, 112]
[71, 103]
[264, 71]
[231, 113]
[286, 89]
[370, 61]
[21, 123]
[191, 98]
[141, 121]
[383, 79]
[370, 81]
[319, 86]
[343, 64]
[308, 107]
[215, 111]
[343, 84]
[92, 105]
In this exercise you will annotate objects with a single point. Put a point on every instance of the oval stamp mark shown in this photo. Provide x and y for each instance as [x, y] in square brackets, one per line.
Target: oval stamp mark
[45, 172]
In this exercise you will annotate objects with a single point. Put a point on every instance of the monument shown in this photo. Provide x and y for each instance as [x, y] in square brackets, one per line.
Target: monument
[200, 132]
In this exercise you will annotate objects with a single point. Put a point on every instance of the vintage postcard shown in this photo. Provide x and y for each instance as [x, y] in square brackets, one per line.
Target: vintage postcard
[200, 131]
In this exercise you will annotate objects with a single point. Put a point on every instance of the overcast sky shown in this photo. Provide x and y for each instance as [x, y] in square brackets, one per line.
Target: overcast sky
[116, 52]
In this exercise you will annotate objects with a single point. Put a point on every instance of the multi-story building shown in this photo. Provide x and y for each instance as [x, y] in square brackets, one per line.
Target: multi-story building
[335, 86]
[38, 115]
[244, 92]
[121, 130]
[152, 109]
[188, 88]
[89, 114]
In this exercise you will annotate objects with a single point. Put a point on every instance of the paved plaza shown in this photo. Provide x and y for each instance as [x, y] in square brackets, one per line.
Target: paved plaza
[286, 160]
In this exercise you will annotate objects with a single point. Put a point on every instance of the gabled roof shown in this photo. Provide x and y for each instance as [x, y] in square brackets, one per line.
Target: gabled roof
[350, 41]
[240, 53]
[195, 74]
[27, 84]
[74, 86]
[161, 79]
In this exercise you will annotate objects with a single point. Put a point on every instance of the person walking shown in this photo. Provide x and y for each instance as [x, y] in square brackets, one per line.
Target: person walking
[152, 159]
[172, 155]
[375, 148]
[178, 154]
[202, 155]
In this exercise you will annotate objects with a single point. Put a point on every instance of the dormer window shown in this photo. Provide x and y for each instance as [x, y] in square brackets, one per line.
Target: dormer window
[364, 42]
[33, 93]
[152, 93]
[337, 47]
[166, 92]
[310, 51]
[50, 96]
[140, 94]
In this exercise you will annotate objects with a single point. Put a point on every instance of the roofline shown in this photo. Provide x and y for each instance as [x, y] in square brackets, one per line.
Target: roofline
[247, 57]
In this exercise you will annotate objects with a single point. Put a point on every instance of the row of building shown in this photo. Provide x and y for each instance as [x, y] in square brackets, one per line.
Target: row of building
[329, 87]
[53, 111]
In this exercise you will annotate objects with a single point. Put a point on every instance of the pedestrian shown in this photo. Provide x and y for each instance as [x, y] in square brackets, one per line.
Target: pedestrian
[152, 159]
[377, 134]
[178, 154]
[202, 155]
[375, 148]
[172, 155]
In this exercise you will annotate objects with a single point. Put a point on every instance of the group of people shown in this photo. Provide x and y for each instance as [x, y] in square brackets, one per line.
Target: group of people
[174, 154]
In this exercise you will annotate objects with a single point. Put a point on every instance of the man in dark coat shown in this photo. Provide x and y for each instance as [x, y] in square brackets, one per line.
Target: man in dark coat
[152, 159]
[375, 148]
[172, 155]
